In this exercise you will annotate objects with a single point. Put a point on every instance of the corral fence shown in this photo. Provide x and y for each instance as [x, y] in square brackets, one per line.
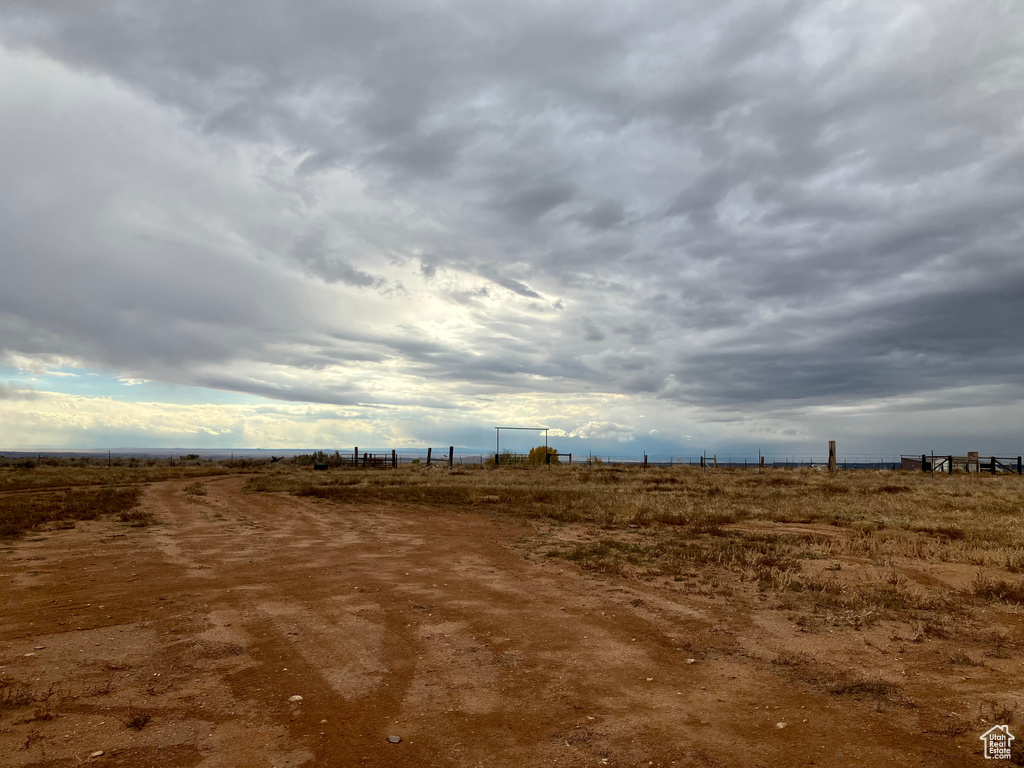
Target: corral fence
[509, 459]
[383, 459]
[972, 463]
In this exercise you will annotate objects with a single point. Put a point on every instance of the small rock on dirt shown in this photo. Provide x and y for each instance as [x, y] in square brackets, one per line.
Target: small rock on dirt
[97, 753]
[395, 739]
[780, 725]
[296, 697]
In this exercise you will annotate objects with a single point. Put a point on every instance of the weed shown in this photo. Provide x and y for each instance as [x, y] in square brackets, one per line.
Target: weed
[196, 489]
[955, 727]
[880, 691]
[999, 645]
[31, 738]
[1001, 591]
[837, 683]
[137, 518]
[106, 689]
[14, 695]
[961, 659]
[1014, 562]
[135, 719]
[790, 660]
[997, 712]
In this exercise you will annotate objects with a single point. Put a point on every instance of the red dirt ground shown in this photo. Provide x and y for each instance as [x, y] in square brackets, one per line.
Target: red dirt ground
[446, 629]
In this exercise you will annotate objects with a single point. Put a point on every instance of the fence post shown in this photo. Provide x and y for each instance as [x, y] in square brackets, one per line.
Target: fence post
[949, 460]
[570, 459]
[993, 467]
[645, 461]
[428, 455]
[355, 457]
[715, 460]
[451, 456]
[923, 461]
[761, 468]
[832, 456]
[1019, 465]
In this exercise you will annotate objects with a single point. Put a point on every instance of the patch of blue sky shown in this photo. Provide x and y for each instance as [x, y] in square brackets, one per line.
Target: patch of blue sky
[86, 382]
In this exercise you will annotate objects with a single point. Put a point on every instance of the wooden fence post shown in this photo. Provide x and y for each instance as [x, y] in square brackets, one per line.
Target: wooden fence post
[394, 459]
[923, 462]
[949, 460]
[992, 469]
[428, 455]
[451, 456]
[1019, 465]
[645, 461]
[832, 456]
[355, 457]
[715, 460]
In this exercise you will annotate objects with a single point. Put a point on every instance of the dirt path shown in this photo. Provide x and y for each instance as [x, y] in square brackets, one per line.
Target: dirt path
[419, 623]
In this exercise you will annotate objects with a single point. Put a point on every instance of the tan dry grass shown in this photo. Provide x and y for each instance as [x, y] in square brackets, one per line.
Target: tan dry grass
[734, 529]
[22, 512]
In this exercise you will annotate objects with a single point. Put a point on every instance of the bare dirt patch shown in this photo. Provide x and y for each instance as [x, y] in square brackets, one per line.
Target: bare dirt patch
[483, 638]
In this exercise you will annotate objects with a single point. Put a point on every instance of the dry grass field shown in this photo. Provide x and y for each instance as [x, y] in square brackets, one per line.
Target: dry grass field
[550, 616]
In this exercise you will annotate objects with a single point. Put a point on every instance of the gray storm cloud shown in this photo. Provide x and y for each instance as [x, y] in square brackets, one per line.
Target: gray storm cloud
[725, 205]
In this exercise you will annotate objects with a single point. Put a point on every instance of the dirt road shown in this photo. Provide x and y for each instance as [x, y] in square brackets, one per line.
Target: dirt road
[186, 643]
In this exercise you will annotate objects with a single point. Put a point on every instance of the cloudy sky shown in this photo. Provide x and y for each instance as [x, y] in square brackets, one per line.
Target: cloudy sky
[664, 226]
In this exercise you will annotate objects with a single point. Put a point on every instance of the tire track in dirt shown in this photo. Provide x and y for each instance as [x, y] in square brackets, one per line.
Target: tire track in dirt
[422, 623]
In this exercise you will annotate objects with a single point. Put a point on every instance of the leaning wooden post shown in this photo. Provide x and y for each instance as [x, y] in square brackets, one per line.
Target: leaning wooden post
[428, 455]
[451, 456]
[832, 456]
